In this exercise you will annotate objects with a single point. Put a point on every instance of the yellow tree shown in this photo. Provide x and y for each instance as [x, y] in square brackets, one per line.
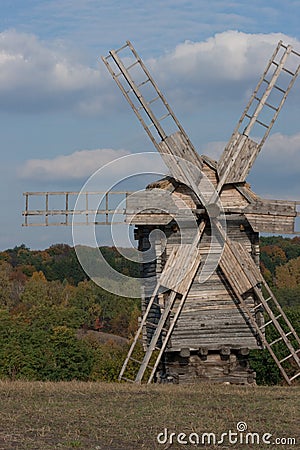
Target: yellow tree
[288, 275]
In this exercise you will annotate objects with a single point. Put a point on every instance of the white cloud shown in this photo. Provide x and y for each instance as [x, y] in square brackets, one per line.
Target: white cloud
[77, 165]
[279, 160]
[227, 65]
[82, 164]
[37, 76]
[231, 55]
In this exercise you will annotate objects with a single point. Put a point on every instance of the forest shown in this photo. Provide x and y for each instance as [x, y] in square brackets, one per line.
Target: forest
[56, 324]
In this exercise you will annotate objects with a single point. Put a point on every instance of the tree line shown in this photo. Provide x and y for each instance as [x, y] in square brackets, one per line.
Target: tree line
[45, 299]
[280, 266]
[56, 324]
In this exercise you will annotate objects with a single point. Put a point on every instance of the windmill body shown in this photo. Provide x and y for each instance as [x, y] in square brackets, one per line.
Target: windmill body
[212, 337]
[196, 327]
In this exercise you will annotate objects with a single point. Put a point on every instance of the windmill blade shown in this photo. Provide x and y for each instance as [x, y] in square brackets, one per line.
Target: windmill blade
[244, 277]
[153, 111]
[259, 116]
[177, 277]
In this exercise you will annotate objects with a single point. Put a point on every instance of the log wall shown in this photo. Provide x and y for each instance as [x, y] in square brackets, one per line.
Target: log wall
[212, 330]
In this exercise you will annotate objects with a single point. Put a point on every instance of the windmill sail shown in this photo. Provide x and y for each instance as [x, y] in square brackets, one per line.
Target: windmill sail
[241, 151]
[243, 276]
[153, 111]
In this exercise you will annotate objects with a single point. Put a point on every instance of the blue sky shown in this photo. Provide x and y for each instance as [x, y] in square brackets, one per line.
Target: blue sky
[61, 116]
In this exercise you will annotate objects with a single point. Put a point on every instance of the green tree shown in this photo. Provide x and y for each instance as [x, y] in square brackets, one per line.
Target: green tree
[108, 359]
[262, 362]
[6, 287]
[36, 290]
[72, 357]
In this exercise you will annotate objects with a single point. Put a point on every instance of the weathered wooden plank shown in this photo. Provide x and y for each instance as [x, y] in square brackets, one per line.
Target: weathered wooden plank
[230, 265]
[184, 165]
[154, 206]
[177, 145]
[237, 159]
[211, 341]
[249, 267]
[271, 223]
[148, 219]
[245, 190]
[272, 207]
[181, 265]
[230, 198]
[209, 169]
[184, 197]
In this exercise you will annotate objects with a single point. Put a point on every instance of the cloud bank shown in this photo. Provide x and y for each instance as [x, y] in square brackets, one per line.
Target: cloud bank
[279, 160]
[36, 76]
[83, 163]
[76, 166]
[226, 66]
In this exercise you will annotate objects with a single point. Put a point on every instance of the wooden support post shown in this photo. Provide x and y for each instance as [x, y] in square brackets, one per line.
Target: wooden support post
[106, 208]
[26, 209]
[87, 208]
[67, 208]
[47, 209]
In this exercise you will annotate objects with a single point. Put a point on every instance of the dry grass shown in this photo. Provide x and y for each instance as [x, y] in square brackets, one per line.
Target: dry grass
[98, 416]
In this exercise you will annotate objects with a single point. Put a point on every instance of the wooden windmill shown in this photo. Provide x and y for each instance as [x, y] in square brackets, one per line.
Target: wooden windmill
[193, 330]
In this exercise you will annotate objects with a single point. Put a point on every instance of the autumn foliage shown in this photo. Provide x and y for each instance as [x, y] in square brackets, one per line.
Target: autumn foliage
[56, 324]
[45, 298]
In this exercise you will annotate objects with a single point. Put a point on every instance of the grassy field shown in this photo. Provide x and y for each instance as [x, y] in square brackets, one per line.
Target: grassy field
[98, 416]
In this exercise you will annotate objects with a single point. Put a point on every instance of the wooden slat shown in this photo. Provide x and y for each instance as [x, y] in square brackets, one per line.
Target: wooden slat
[239, 268]
[249, 267]
[181, 265]
[213, 305]
[243, 150]
[273, 207]
[176, 157]
[271, 223]
[44, 200]
[159, 206]
[209, 169]
[148, 219]
[231, 198]
[177, 145]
